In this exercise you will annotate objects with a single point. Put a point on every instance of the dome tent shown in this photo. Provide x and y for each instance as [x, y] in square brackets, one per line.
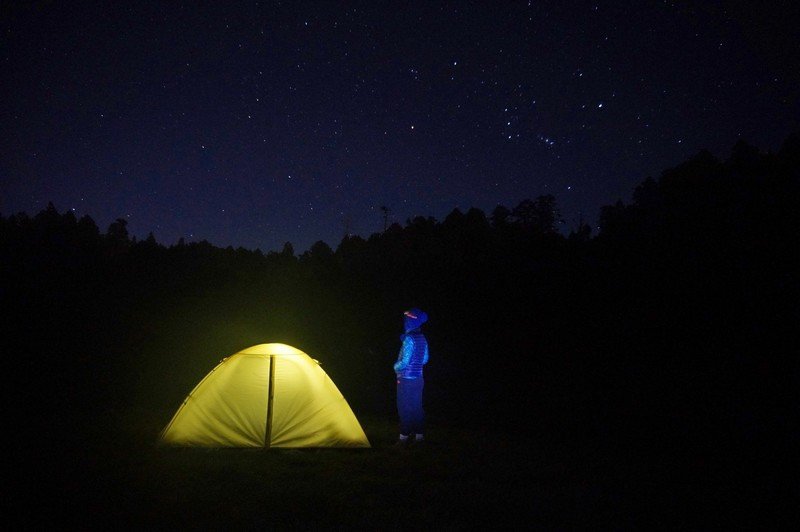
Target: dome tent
[268, 395]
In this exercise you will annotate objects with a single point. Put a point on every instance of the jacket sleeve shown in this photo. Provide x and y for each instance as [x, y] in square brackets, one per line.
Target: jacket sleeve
[425, 357]
[406, 350]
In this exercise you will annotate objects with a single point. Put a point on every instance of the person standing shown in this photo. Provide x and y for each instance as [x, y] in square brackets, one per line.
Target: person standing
[410, 382]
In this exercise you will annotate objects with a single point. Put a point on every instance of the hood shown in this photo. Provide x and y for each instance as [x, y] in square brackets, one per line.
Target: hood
[413, 319]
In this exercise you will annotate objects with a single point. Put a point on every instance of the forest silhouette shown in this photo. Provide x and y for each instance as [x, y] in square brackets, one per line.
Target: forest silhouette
[670, 332]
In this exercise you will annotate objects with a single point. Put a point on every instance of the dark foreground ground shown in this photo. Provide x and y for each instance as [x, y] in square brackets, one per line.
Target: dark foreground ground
[522, 449]
[625, 433]
[461, 479]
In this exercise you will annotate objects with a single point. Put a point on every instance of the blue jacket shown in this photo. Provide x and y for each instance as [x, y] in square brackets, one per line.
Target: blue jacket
[413, 355]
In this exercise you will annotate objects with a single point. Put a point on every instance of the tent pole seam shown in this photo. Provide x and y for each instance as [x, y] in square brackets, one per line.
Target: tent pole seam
[270, 396]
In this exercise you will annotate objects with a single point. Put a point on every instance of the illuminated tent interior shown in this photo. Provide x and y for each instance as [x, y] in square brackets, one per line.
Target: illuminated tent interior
[268, 395]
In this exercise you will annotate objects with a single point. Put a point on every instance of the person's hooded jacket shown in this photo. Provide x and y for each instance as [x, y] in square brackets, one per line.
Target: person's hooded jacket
[414, 349]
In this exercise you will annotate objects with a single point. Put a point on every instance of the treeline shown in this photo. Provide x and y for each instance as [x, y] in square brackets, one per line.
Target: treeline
[62, 240]
[680, 314]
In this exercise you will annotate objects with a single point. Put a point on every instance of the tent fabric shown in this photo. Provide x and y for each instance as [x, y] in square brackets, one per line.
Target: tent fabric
[230, 407]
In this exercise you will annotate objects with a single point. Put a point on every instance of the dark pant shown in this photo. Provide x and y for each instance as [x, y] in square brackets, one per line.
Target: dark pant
[409, 405]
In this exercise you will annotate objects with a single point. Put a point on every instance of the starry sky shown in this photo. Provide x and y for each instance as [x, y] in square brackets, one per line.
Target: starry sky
[255, 123]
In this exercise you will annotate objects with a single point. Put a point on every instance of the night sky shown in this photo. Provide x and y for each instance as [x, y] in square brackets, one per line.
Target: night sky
[255, 123]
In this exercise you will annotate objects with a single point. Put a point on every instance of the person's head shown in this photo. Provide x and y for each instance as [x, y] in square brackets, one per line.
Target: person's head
[414, 318]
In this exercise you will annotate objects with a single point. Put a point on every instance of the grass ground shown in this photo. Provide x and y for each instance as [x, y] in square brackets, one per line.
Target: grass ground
[460, 479]
[549, 463]
[113, 475]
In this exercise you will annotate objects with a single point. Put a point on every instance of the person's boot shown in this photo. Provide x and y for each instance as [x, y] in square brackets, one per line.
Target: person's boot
[402, 442]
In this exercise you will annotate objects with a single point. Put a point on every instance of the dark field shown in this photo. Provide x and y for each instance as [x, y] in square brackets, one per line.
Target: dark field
[554, 459]
[461, 479]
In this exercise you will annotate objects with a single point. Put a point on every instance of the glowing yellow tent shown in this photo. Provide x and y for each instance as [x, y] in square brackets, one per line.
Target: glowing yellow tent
[268, 395]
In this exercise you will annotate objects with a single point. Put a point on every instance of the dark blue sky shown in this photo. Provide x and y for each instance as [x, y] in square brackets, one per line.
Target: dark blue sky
[255, 123]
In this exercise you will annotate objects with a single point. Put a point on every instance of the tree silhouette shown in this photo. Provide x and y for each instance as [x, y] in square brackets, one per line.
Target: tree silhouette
[539, 216]
[287, 253]
[385, 217]
[500, 216]
[118, 231]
